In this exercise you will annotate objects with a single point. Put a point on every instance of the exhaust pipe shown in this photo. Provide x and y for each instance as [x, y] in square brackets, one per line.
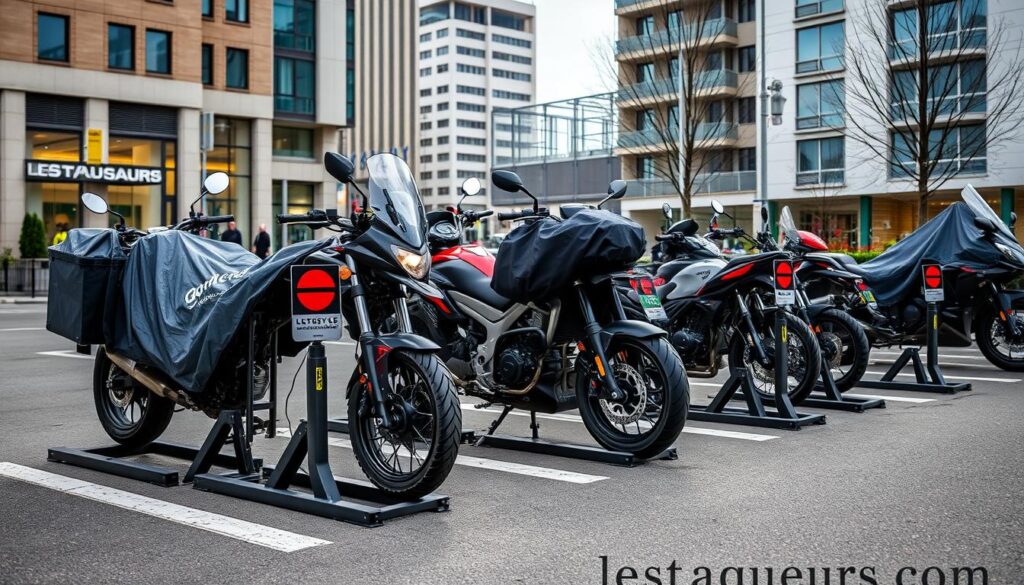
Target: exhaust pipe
[156, 382]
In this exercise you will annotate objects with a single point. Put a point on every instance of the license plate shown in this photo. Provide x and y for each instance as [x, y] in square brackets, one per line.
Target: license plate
[869, 298]
[648, 294]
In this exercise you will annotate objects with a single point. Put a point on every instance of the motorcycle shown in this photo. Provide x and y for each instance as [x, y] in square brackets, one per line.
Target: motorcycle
[573, 349]
[715, 306]
[979, 256]
[403, 411]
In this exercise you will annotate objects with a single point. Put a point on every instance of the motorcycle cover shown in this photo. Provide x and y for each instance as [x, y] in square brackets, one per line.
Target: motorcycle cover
[950, 239]
[537, 260]
[185, 297]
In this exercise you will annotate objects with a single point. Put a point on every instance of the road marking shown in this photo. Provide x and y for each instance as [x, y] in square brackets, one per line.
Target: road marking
[687, 429]
[972, 378]
[493, 465]
[68, 353]
[250, 532]
[890, 398]
[24, 329]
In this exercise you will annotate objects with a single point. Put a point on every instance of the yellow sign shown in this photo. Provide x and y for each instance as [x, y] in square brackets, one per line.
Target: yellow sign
[94, 151]
[319, 379]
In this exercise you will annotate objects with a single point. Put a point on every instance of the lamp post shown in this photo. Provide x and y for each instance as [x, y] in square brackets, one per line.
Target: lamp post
[772, 103]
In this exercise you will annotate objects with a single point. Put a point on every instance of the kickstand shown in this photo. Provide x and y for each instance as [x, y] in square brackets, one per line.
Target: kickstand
[534, 425]
[501, 418]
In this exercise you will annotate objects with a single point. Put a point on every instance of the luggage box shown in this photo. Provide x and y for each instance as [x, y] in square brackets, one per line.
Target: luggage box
[85, 273]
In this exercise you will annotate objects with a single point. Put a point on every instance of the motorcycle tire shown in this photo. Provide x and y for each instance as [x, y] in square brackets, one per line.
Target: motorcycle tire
[986, 326]
[655, 357]
[856, 349]
[130, 414]
[810, 361]
[432, 392]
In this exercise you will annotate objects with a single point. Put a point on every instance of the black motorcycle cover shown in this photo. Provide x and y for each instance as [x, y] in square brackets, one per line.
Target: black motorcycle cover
[186, 296]
[950, 239]
[537, 260]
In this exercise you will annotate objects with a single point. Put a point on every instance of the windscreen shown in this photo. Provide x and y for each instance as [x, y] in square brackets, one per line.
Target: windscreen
[982, 209]
[787, 227]
[395, 200]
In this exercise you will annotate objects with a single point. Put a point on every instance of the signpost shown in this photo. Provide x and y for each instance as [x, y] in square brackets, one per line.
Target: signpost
[932, 276]
[785, 284]
[316, 303]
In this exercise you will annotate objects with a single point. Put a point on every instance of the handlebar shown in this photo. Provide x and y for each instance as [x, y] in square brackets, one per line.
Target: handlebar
[317, 218]
[216, 218]
[664, 237]
[484, 214]
[513, 215]
[283, 218]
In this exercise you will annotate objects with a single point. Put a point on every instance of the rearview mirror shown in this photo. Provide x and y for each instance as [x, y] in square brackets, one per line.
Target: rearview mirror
[617, 189]
[216, 183]
[507, 181]
[1013, 219]
[339, 167]
[764, 214]
[94, 203]
[666, 210]
[985, 224]
[471, 186]
[717, 206]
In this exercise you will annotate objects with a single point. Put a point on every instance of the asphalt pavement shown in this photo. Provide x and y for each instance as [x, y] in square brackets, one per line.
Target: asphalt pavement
[931, 485]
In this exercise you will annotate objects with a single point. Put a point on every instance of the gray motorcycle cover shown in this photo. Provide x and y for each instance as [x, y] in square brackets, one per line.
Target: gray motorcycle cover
[950, 239]
[186, 296]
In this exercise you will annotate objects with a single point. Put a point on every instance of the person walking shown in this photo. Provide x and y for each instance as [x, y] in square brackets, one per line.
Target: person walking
[232, 234]
[261, 244]
[61, 235]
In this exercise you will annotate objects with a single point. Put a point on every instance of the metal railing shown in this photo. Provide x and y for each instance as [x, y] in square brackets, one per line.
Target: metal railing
[703, 184]
[688, 33]
[669, 86]
[655, 136]
[25, 277]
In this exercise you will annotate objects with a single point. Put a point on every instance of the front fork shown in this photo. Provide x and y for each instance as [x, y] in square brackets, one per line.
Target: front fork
[366, 340]
[1013, 327]
[748, 321]
[592, 329]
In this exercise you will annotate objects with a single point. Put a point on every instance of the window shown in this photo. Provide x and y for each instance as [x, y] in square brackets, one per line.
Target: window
[469, 13]
[294, 83]
[442, 140]
[426, 125]
[747, 159]
[470, 89]
[506, 74]
[442, 33]
[645, 25]
[467, 107]
[53, 37]
[442, 68]
[745, 11]
[426, 175]
[442, 107]
[471, 124]
[820, 162]
[645, 119]
[510, 57]
[425, 92]
[511, 95]
[236, 10]
[426, 158]
[720, 161]
[644, 167]
[959, 150]
[511, 41]
[120, 46]
[507, 20]
[442, 89]
[470, 141]
[468, 34]
[426, 141]
[207, 64]
[237, 69]
[441, 51]
[295, 25]
[644, 72]
[953, 88]
[466, 157]
[443, 157]
[820, 105]
[442, 190]
[471, 175]
[443, 123]
[820, 48]
[426, 109]
[295, 142]
[435, 13]
[806, 8]
[425, 71]
[471, 52]
[424, 55]
[674, 20]
[747, 59]
[463, 68]
[444, 174]
[207, 8]
[158, 51]
[425, 37]
[746, 110]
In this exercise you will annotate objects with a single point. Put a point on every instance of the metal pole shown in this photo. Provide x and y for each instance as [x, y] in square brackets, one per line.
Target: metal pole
[320, 477]
[681, 106]
[763, 142]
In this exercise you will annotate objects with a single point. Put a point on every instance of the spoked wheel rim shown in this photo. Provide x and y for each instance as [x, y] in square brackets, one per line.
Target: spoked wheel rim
[1005, 347]
[764, 375]
[639, 376]
[124, 404]
[406, 449]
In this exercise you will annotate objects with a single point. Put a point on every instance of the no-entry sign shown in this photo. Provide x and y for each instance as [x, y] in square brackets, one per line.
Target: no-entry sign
[785, 283]
[933, 291]
[316, 303]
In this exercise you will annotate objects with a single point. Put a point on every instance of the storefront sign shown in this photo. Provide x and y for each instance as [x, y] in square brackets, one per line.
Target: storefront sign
[58, 172]
[94, 146]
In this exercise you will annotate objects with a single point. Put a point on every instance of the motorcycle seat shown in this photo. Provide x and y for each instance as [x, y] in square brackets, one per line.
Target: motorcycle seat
[570, 209]
[850, 265]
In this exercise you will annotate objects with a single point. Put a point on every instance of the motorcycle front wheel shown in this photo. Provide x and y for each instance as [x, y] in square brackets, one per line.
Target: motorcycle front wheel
[130, 414]
[803, 366]
[844, 346]
[995, 342]
[657, 397]
[413, 457]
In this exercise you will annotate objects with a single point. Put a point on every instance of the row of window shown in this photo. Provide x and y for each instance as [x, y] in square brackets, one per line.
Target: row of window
[718, 9]
[480, 53]
[477, 36]
[234, 10]
[470, 13]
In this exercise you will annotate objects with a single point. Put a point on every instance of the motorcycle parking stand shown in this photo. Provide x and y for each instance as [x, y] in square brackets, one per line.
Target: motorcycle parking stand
[826, 395]
[929, 376]
[340, 499]
[741, 381]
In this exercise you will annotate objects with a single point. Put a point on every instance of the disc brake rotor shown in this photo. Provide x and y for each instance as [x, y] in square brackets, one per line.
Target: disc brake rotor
[632, 408]
[120, 390]
[831, 348]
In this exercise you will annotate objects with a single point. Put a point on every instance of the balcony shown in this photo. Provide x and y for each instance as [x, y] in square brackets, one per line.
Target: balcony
[709, 84]
[292, 105]
[627, 6]
[713, 32]
[705, 184]
[959, 44]
[707, 135]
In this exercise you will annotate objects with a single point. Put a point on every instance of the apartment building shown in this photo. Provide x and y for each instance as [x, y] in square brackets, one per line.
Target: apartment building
[92, 94]
[819, 161]
[474, 58]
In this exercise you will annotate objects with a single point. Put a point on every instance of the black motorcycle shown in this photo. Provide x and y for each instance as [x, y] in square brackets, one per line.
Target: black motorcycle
[403, 412]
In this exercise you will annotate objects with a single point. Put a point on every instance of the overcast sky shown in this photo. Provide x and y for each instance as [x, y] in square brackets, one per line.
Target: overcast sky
[568, 34]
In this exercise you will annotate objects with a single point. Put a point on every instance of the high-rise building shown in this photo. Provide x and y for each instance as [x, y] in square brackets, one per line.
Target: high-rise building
[473, 58]
[110, 98]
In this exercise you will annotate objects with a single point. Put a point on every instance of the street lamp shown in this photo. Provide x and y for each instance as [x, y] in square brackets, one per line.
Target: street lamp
[778, 101]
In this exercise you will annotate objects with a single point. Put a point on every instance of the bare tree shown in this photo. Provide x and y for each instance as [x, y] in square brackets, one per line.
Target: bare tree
[681, 37]
[922, 71]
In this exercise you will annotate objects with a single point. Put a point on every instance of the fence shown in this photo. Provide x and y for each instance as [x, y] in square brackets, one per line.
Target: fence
[25, 277]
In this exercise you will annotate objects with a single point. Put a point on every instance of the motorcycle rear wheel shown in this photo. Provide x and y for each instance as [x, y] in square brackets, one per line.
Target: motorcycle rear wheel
[804, 366]
[990, 334]
[850, 340]
[130, 414]
[424, 402]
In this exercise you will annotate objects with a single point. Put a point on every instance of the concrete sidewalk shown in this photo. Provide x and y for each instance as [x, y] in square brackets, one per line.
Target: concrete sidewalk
[39, 300]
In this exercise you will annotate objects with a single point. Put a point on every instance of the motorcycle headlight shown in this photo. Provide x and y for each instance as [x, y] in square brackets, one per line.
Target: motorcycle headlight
[413, 263]
[1011, 254]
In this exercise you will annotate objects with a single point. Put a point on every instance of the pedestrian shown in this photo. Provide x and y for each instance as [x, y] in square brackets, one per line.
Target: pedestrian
[261, 244]
[232, 234]
[62, 233]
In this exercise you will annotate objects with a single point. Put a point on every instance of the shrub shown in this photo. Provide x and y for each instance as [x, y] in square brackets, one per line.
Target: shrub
[32, 243]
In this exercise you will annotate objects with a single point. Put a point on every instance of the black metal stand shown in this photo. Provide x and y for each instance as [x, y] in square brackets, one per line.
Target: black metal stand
[826, 395]
[114, 460]
[929, 376]
[309, 444]
[741, 381]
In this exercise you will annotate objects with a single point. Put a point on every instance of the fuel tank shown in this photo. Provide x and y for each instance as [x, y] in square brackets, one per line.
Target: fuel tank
[683, 278]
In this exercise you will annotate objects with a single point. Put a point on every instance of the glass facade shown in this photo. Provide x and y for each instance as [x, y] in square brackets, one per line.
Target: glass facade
[143, 205]
[120, 46]
[232, 154]
[294, 24]
[52, 37]
[55, 203]
[298, 198]
[294, 86]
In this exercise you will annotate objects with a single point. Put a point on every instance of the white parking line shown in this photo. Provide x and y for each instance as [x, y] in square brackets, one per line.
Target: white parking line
[890, 398]
[250, 532]
[971, 378]
[687, 429]
[942, 354]
[23, 329]
[493, 465]
[68, 353]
